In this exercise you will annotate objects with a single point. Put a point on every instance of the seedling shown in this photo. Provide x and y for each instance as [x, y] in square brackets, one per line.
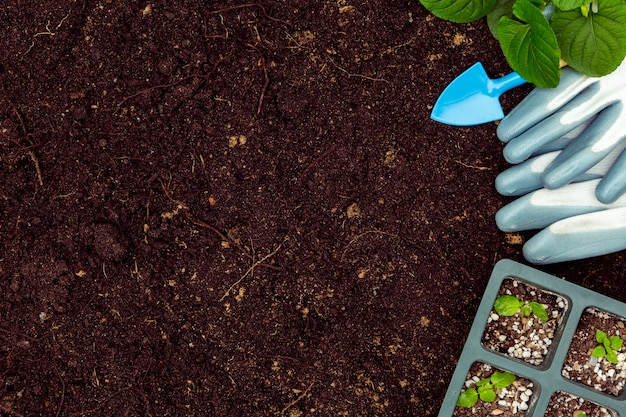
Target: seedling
[485, 389]
[608, 346]
[535, 35]
[509, 305]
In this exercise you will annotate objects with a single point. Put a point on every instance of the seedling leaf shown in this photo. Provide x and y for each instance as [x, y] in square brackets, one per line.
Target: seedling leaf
[594, 44]
[483, 388]
[530, 45]
[616, 342]
[468, 398]
[488, 396]
[483, 382]
[459, 11]
[600, 336]
[539, 310]
[507, 305]
[611, 356]
[502, 379]
[599, 352]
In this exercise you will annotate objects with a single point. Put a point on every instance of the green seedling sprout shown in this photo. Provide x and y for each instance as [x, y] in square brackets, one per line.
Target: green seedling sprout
[509, 305]
[608, 346]
[485, 389]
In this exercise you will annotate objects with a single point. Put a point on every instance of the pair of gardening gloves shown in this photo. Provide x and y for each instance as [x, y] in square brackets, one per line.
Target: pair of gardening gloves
[570, 174]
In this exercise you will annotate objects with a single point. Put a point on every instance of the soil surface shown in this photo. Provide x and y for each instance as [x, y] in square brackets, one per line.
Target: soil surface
[228, 209]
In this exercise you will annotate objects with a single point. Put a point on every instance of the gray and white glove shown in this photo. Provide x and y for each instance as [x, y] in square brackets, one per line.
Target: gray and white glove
[546, 115]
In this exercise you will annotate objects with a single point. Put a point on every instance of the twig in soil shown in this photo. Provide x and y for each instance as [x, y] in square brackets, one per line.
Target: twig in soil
[224, 238]
[317, 160]
[479, 168]
[267, 81]
[32, 155]
[24, 335]
[37, 169]
[294, 402]
[350, 74]
[257, 263]
[9, 411]
[247, 5]
[60, 407]
[48, 32]
[343, 254]
[172, 84]
[261, 63]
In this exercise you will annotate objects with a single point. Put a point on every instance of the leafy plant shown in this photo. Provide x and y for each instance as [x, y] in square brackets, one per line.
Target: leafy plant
[509, 305]
[485, 389]
[608, 346]
[536, 34]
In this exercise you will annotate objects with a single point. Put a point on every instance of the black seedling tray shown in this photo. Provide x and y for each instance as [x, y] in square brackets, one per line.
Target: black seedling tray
[547, 378]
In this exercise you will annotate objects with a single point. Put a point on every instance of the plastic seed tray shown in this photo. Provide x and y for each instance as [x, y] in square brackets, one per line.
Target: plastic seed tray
[546, 378]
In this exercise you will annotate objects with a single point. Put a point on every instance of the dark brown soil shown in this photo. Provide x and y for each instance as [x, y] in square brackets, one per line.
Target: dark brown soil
[229, 209]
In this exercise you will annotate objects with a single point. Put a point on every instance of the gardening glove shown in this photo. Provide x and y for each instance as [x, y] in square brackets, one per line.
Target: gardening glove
[546, 115]
[576, 225]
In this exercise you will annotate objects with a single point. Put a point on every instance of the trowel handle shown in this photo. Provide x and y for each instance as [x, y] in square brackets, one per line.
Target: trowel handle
[510, 81]
[504, 84]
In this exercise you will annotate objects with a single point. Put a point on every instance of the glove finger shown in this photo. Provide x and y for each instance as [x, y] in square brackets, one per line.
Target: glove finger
[613, 185]
[563, 141]
[525, 177]
[567, 118]
[579, 237]
[543, 207]
[541, 103]
[594, 144]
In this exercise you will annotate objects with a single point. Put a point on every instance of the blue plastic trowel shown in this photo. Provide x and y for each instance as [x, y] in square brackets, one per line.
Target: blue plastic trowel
[473, 98]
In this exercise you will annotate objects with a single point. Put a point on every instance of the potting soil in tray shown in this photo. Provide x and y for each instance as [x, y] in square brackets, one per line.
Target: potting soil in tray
[550, 317]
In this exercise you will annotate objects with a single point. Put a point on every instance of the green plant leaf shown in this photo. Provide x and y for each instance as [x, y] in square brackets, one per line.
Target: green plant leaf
[611, 356]
[488, 396]
[459, 11]
[483, 382]
[570, 4]
[596, 44]
[468, 398]
[507, 305]
[600, 336]
[539, 310]
[502, 379]
[616, 342]
[530, 45]
[599, 352]
[502, 8]
[484, 388]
